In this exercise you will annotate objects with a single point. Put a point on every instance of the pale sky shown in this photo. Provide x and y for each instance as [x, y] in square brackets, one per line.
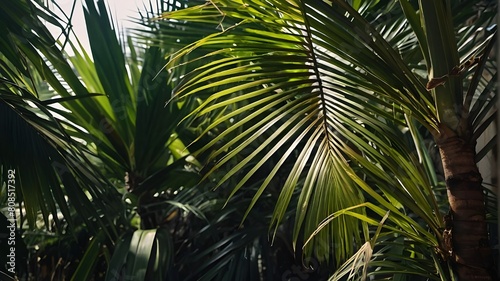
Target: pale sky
[121, 10]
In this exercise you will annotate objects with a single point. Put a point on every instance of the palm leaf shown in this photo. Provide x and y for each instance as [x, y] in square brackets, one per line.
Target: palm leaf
[141, 255]
[290, 90]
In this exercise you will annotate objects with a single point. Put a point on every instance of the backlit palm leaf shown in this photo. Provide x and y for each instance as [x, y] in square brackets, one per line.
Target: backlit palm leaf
[130, 128]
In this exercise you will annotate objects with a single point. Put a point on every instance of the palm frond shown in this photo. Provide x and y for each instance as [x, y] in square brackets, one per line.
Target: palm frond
[314, 84]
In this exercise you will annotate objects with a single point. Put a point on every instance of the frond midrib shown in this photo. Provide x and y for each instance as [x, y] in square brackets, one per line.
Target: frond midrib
[316, 68]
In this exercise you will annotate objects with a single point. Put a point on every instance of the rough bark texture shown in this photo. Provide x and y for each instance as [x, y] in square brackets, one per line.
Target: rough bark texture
[470, 251]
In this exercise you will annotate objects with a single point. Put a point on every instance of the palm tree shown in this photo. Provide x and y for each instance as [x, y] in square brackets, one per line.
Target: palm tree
[347, 92]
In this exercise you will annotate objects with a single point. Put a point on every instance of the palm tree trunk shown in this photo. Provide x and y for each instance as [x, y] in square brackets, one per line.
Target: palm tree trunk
[470, 250]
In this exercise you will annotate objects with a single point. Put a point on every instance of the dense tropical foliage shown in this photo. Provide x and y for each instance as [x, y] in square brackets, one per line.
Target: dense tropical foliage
[345, 90]
[251, 140]
[115, 184]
